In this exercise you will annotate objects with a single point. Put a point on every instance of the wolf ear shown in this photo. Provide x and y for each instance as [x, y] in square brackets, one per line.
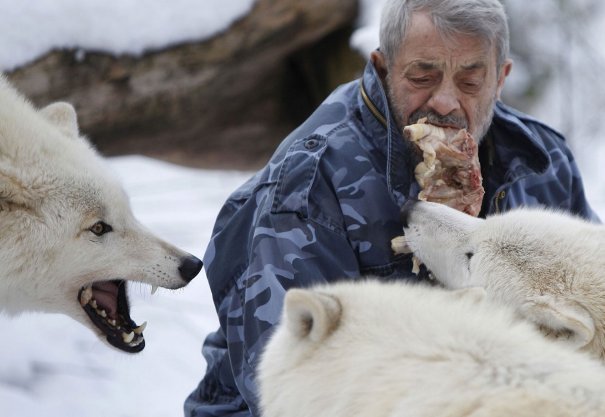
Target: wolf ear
[311, 314]
[63, 116]
[561, 319]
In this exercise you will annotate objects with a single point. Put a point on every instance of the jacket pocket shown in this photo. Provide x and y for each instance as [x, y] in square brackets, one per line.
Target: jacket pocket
[297, 174]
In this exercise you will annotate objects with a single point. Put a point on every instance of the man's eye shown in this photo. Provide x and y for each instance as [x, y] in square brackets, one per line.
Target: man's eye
[100, 228]
[470, 86]
[420, 81]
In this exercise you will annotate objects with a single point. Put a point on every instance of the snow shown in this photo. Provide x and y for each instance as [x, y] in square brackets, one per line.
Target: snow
[365, 37]
[53, 366]
[116, 26]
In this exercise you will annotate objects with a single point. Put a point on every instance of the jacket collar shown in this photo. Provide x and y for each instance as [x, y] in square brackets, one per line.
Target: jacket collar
[384, 133]
[515, 139]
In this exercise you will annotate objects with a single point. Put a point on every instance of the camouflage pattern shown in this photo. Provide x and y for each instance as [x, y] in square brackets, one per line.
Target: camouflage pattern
[326, 207]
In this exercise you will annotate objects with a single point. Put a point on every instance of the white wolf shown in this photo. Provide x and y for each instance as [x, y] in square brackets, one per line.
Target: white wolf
[549, 266]
[68, 239]
[394, 350]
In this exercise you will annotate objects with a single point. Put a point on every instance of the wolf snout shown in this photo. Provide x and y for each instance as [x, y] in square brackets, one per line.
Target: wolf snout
[189, 268]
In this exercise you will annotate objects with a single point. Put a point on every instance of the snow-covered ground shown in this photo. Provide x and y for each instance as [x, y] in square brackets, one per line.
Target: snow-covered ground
[52, 366]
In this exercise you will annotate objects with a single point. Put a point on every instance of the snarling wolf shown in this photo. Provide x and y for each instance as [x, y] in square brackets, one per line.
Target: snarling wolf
[68, 239]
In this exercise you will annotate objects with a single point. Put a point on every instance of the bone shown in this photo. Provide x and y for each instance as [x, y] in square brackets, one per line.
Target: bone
[399, 244]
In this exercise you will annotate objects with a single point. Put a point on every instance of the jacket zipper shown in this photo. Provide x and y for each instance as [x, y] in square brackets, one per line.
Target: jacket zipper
[499, 197]
[373, 109]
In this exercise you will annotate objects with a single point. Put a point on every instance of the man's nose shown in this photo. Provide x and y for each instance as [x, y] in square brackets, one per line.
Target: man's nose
[444, 99]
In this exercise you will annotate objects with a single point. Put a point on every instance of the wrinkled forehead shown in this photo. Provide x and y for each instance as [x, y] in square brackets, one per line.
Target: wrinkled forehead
[425, 42]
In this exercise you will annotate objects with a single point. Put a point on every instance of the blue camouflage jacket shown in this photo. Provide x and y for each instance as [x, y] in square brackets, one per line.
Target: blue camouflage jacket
[326, 206]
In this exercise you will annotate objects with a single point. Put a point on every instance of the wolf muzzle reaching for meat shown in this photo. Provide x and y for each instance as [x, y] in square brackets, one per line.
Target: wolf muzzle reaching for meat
[547, 265]
[69, 241]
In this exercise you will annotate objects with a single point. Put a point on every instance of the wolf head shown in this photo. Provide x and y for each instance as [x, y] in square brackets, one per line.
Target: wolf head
[68, 238]
[547, 265]
[365, 348]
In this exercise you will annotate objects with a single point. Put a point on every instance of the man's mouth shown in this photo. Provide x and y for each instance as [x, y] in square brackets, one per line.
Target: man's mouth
[106, 304]
[446, 122]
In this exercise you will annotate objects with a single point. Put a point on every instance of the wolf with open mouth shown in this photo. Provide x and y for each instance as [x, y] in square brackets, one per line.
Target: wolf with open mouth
[69, 241]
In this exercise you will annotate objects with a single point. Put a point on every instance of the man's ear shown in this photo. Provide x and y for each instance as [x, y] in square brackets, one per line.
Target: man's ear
[380, 63]
[560, 319]
[504, 72]
[311, 314]
[63, 116]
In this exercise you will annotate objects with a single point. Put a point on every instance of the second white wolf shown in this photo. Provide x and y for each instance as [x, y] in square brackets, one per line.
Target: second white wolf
[548, 266]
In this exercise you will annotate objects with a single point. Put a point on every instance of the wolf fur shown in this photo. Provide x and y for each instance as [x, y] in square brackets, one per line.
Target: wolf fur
[394, 350]
[68, 238]
[549, 266]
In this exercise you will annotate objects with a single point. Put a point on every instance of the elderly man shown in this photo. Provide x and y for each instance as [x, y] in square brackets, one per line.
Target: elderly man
[327, 204]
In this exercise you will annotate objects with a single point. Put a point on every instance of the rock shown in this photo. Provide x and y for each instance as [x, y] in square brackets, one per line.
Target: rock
[226, 100]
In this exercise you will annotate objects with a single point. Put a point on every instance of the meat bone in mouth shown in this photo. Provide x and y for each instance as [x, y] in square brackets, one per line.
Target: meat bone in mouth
[449, 172]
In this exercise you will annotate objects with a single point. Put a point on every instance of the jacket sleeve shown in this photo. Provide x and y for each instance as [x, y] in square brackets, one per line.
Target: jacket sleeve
[573, 196]
[260, 251]
[579, 202]
[561, 186]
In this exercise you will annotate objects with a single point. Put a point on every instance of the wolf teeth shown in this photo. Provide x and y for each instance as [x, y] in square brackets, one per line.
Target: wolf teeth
[154, 288]
[86, 296]
[132, 338]
[127, 337]
[136, 342]
[139, 330]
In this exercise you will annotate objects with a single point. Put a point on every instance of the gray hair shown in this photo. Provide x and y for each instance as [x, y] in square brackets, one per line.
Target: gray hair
[483, 18]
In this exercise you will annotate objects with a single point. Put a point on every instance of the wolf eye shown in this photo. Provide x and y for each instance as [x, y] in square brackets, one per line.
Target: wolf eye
[469, 255]
[100, 228]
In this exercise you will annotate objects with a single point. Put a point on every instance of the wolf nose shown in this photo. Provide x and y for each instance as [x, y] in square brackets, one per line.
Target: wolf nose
[406, 210]
[190, 267]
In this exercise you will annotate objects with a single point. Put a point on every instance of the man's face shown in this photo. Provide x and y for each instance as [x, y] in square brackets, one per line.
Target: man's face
[454, 82]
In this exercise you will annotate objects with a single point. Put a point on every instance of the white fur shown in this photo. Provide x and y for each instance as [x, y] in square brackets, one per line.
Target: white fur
[547, 265]
[395, 350]
[53, 188]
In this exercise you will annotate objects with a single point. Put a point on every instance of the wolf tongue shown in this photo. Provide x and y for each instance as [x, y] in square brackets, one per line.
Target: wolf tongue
[106, 295]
